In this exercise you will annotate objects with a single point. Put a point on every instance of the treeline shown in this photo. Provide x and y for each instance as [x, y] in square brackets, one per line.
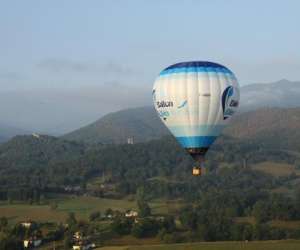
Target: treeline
[214, 217]
[32, 195]
[161, 166]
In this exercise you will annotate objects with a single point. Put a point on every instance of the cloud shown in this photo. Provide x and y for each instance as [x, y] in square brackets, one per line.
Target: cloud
[60, 110]
[55, 65]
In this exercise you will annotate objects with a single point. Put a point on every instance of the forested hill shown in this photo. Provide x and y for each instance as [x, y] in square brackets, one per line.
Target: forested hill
[143, 125]
[160, 166]
[254, 132]
[37, 150]
[262, 121]
[272, 127]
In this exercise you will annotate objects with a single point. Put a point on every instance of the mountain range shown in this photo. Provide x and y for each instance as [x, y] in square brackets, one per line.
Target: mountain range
[270, 126]
[266, 129]
[143, 124]
[282, 94]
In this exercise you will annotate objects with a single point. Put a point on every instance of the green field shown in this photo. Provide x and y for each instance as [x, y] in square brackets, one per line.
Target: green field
[23, 212]
[83, 206]
[276, 169]
[264, 245]
[286, 224]
[80, 205]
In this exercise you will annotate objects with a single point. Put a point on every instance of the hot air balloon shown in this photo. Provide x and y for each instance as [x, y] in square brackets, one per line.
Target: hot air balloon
[196, 100]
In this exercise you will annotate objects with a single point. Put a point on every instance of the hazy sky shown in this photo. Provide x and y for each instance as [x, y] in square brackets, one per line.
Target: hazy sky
[66, 63]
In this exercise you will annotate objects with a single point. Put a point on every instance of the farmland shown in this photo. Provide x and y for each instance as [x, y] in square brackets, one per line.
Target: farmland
[276, 169]
[82, 207]
[263, 245]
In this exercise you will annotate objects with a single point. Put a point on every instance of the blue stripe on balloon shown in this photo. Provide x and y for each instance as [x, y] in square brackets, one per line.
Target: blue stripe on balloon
[196, 64]
[195, 70]
[196, 141]
[197, 130]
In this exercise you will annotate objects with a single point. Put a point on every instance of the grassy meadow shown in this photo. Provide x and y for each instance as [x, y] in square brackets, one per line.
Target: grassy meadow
[82, 207]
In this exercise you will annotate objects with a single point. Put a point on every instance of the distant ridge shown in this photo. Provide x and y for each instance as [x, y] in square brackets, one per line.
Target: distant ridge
[7, 132]
[141, 124]
[274, 129]
[144, 126]
[281, 94]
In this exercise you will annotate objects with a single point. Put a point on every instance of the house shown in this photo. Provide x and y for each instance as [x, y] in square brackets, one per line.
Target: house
[109, 216]
[130, 140]
[72, 188]
[82, 242]
[131, 214]
[26, 224]
[35, 135]
[84, 246]
[77, 236]
[32, 242]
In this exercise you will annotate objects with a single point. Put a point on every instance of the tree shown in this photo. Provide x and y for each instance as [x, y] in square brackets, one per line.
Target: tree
[260, 212]
[188, 218]
[237, 231]
[171, 238]
[57, 234]
[95, 216]
[108, 212]
[71, 221]
[144, 209]
[161, 234]
[145, 228]
[169, 223]
[11, 243]
[248, 232]
[121, 225]
[261, 231]
[140, 194]
[297, 205]
[68, 241]
[3, 223]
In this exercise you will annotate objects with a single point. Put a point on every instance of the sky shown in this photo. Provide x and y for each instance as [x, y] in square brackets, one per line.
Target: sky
[64, 64]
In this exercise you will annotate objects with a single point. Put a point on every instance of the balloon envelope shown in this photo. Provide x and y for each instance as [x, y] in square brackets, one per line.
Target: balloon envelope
[195, 100]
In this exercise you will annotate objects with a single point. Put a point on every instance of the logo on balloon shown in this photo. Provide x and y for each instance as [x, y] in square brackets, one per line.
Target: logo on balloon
[182, 105]
[228, 102]
[164, 104]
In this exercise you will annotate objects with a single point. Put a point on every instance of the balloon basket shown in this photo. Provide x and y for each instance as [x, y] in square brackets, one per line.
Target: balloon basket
[198, 171]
